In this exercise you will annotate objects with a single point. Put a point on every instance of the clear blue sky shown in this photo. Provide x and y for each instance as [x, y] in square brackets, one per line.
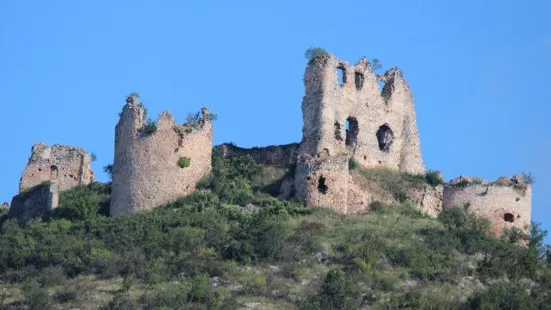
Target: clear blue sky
[479, 71]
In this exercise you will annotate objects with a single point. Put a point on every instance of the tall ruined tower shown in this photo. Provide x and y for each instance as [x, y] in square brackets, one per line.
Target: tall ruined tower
[347, 115]
[153, 166]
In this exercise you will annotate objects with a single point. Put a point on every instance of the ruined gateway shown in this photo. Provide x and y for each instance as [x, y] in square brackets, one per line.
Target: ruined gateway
[347, 116]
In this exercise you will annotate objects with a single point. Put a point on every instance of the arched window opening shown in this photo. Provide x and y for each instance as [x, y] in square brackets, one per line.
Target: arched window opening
[359, 80]
[54, 173]
[385, 137]
[352, 129]
[508, 217]
[322, 187]
[341, 75]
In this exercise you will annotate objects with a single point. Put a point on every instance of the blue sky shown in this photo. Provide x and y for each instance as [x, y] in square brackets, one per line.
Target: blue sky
[479, 71]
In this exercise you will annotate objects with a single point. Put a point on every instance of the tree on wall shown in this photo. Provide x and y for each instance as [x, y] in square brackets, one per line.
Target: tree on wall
[314, 52]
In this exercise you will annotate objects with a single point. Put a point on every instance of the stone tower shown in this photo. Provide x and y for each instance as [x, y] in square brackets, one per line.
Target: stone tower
[347, 115]
[155, 166]
[65, 165]
[506, 203]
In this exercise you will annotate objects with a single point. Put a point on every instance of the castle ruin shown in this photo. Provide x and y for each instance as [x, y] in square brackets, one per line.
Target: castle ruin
[157, 163]
[49, 170]
[347, 116]
[65, 165]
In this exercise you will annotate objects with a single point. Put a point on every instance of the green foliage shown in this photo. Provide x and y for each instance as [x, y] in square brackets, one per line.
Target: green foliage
[433, 178]
[149, 127]
[528, 178]
[352, 164]
[184, 162]
[93, 157]
[314, 52]
[503, 296]
[109, 170]
[376, 64]
[84, 203]
[36, 297]
[336, 292]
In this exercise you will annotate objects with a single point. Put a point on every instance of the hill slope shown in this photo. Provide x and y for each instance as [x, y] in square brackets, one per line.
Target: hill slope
[230, 245]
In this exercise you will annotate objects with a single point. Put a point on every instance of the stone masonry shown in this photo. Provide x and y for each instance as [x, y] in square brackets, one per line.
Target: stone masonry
[506, 203]
[34, 202]
[352, 118]
[356, 118]
[153, 168]
[68, 166]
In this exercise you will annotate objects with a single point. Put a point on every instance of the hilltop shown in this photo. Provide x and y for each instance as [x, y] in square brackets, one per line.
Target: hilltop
[231, 245]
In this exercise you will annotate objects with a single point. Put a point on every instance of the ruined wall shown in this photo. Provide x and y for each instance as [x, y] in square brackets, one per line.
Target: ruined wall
[506, 202]
[427, 199]
[34, 202]
[68, 166]
[280, 156]
[382, 128]
[146, 169]
[323, 181]
[352, 117]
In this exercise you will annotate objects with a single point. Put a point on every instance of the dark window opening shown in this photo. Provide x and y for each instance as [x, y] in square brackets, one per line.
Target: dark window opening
[54, 172]
[385, 137]
[352, 129]
[508, 217]
[359, 80]
[322, 187]
[341, 74]
[338, 135]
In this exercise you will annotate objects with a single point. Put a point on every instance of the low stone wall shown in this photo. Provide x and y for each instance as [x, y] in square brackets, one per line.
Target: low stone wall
[427, 199]
[34, 202]
[281, 156]
[504, 204]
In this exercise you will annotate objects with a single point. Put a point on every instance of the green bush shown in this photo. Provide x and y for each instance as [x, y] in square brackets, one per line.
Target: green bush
[36, 297]
[314, 52]
[84, 203]
[149, 127]
[433, 178]
[184, 162]
[352, 164]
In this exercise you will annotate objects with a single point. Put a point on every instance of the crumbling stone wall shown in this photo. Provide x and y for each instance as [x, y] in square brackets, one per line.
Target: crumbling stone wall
[147, 168]
[382, 128]
[505, 203]
[323, 181]
[353, 118]
[280, 156]
[34, 201]
[68, 166]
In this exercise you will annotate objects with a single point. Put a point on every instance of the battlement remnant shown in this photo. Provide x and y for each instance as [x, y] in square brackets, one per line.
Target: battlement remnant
[157, 163]
[68, 166]
[506, 203]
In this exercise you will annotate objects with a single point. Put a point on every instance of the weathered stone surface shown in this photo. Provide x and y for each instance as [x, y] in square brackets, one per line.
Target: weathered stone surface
[429, 200]
[146, 172]
[353, 118]
[503, 206]
[68, 166]
[382, 129]
[34, 202]
[323, 181]
[280, 156]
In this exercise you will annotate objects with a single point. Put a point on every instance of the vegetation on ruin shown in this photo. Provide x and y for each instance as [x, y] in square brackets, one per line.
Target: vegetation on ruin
[230, 244]
[184, 162]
